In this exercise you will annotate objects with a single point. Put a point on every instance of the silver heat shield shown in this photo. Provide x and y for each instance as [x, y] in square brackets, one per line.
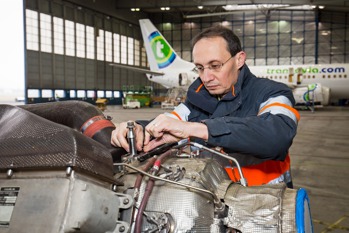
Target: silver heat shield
[191, 211]
[267, 208]
[254, 209]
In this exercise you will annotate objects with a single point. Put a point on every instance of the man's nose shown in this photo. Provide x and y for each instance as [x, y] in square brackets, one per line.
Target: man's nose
[207, 75]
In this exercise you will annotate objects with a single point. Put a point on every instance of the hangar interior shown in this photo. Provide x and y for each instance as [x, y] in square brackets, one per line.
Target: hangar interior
[70, 44]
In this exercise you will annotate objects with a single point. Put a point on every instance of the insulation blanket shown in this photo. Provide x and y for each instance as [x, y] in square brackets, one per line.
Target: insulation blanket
[267, 208]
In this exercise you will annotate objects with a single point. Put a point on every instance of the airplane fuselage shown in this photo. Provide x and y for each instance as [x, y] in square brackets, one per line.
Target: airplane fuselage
[333, 76]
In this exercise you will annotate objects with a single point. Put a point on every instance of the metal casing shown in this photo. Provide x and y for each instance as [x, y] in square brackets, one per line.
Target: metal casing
[53, 201]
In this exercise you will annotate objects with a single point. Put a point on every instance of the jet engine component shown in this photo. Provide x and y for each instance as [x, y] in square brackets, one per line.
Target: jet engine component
[54, 178]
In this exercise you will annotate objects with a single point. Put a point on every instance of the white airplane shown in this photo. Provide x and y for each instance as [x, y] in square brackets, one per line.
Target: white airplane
[321, 84]
[318, 84]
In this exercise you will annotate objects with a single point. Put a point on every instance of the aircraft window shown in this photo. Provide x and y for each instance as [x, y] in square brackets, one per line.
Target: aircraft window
[329, 76]
[334, 76]
[323, 76]
[340, 76]
[280, 77]
[313, 76]
[345, 76]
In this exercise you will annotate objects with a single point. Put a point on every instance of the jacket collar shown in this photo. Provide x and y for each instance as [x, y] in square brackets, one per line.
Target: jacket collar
[200, 97]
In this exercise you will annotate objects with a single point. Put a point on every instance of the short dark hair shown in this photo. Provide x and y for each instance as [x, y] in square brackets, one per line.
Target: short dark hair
[233, 41]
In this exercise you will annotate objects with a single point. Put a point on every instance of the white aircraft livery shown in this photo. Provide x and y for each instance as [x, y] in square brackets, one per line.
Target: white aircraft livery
[320, 84]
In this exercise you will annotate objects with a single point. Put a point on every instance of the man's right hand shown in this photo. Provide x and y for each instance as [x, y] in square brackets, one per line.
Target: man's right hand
[119, 136]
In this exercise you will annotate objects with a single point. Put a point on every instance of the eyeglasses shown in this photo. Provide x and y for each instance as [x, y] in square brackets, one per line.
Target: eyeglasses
[215, 66]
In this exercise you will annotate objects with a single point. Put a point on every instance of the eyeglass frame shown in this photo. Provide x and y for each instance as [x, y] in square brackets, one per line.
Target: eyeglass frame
[209, 66]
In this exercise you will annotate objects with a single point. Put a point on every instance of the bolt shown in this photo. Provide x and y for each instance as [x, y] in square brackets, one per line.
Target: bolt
[9, 173]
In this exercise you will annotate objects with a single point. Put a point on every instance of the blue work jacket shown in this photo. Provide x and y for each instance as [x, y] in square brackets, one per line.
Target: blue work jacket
[234, 122]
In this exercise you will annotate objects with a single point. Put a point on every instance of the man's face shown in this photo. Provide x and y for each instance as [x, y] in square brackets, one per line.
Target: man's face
[208, 51]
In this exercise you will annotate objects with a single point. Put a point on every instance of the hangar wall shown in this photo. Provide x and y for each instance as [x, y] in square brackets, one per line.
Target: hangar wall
[272, 38]
[70, 49]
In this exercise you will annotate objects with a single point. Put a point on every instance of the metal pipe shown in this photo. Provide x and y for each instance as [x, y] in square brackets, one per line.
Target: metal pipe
[149, 188]
[243, 181]
[131, 137]
[217, 202]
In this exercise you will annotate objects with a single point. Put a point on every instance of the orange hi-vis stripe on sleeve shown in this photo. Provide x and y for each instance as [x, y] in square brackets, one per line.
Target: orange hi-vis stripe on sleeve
[176, 114]
[261, 173]
[295, 112]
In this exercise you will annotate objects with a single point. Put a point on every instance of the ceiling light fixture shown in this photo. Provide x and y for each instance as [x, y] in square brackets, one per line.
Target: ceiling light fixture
[200, 7]
[253, 6]
[135, 9]
[165, 8]
[231, 9]
[302, 7]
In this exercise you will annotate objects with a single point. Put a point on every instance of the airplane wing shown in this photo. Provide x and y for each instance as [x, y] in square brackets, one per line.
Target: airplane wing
[291, 85]
[136, 69]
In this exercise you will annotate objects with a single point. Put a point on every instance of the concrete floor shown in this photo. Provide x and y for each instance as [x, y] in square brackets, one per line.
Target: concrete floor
[320, 161]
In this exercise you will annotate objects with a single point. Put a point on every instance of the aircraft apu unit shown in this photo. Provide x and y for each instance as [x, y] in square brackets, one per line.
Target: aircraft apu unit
[59, 173]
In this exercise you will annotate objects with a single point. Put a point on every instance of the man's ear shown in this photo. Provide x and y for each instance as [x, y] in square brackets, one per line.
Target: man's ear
[241, 59]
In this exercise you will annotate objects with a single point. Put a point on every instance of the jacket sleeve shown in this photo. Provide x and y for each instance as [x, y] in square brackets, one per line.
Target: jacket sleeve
[268, 135]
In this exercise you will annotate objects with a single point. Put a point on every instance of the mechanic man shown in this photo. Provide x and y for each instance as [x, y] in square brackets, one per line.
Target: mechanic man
[250, 118]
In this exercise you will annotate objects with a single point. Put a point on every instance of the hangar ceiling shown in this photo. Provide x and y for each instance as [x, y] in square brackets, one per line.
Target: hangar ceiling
[181, 10]
[215, 7]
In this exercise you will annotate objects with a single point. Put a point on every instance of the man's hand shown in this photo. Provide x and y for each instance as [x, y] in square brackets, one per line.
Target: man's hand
[163, 124]
[166, 138]
[167, 129]
[119, 136]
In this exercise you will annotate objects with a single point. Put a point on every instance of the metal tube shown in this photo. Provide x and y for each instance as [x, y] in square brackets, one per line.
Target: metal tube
[243, 181]
[217, 202]
[131, 138]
